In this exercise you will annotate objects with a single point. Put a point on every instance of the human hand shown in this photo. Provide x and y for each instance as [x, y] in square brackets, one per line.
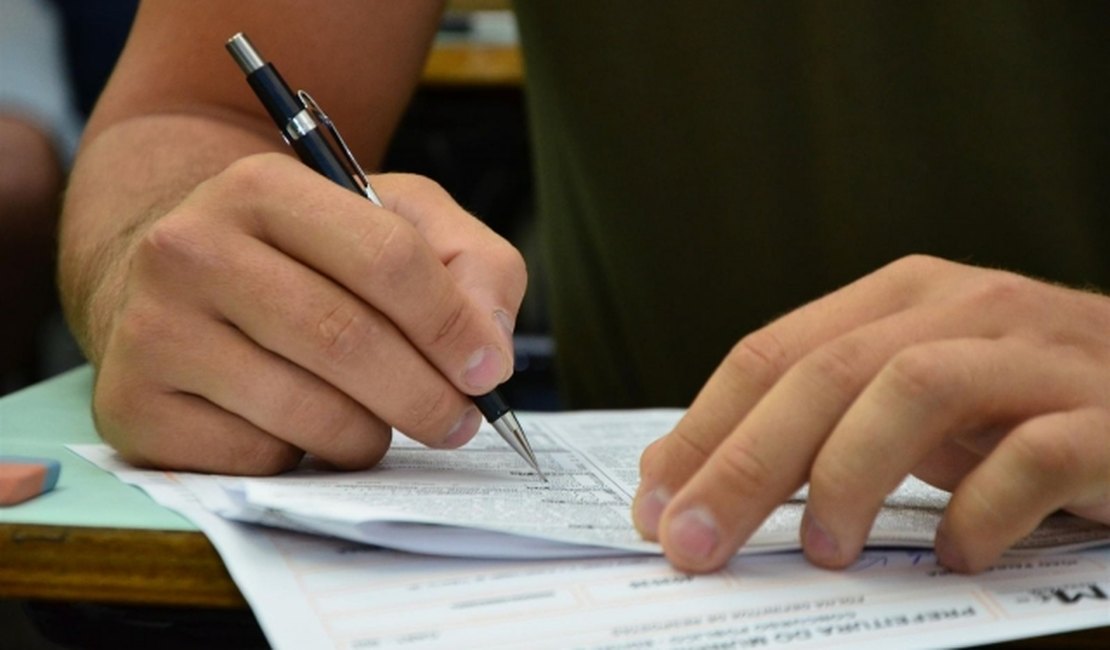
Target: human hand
[985, 383]
[273, 313]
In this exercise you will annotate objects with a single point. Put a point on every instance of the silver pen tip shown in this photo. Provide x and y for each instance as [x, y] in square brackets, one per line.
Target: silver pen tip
[508, 427]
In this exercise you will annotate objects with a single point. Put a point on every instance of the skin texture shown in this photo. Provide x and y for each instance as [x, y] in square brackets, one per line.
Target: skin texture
[239, 308]
[985, 383]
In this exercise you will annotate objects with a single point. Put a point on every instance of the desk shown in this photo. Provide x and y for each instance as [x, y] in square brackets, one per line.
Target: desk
[486, 55]
[95, 539]
[473, 65]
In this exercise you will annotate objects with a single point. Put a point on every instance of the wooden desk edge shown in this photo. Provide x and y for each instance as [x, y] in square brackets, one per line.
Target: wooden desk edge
[473, 65]
[109, 565]
[153, 567]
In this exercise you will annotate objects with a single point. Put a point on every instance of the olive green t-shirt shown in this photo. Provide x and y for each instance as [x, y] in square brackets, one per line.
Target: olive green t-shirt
[704, 167]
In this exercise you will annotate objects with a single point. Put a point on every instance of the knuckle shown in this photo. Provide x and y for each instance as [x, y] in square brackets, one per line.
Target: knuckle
[172, 244]
[324, 419]
[246, 176]
[679, 453]
[417, 183]
[428, 414]
[1004, 292]
[454, 320]
[917, 265]
[138, 326]
[341, 331]
[833, 480]
[503, 256]
[761, 357]
[923, 375]
[907, 279]
[742, 469]
[405, 184]
[1045, 456]
[976, 512]
[390, 255]
[412, 194]
[688, 446]
[266, 456]
[671, 456]
[514, 260]
[651, 456]
[510, 265]
[836, 366]
[112, 407]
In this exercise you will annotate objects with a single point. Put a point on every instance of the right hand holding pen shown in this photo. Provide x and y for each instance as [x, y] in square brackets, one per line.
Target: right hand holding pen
[273, 313]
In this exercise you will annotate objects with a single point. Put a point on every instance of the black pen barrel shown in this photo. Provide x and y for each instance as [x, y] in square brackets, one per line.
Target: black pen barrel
[297, 126]
[315, 151]
[275, 96]
[492, 405]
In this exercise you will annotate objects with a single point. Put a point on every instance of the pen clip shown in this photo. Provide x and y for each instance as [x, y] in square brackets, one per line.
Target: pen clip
[355, 169]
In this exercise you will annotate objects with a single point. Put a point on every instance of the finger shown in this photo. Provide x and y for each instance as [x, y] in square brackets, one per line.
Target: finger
[152, 425]
[729, 395]
[1057, 460]
[768, 455]
[486, 266]
[947, 465]
[380, 257]
[302, 316]
[925, 394]
[181, 350]
[766, 458]
[731, 478]
[275, 395]
[759, 361]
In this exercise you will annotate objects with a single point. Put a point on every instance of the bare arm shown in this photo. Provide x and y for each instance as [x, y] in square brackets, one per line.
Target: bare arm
[240, 309]
[177, 111]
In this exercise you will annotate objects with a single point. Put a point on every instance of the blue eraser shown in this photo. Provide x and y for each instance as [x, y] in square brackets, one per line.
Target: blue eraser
[26, 477]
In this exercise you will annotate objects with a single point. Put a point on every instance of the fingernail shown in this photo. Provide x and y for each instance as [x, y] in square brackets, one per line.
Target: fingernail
[649, 508]
[464, 429]
[485, 369]
[819, 545]
[948, 554]
[693, 534]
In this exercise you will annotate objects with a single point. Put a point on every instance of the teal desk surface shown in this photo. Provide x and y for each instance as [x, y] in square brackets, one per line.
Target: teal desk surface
[41, 421]
[93, 537]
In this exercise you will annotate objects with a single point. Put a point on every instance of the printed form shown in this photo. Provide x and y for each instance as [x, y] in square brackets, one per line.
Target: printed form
[604, 588]
[482, 501]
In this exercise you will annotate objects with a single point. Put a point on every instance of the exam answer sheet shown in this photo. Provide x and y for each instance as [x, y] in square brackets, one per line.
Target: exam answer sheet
[309, 591]
[484, 501]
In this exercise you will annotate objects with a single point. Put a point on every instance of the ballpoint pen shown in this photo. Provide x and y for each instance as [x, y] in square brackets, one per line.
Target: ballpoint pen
[299, 119]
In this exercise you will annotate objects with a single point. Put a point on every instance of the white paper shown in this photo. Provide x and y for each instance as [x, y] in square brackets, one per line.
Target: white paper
[484, 501]
[316, 592]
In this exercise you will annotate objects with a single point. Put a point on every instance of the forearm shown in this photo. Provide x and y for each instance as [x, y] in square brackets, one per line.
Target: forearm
[126, 178]
[162, 127]
[242, 310]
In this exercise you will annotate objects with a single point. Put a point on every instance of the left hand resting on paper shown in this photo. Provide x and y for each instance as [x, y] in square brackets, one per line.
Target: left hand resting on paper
[982, 382]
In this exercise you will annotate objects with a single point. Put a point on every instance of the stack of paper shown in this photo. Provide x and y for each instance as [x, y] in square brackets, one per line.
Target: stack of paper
[481, 503]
